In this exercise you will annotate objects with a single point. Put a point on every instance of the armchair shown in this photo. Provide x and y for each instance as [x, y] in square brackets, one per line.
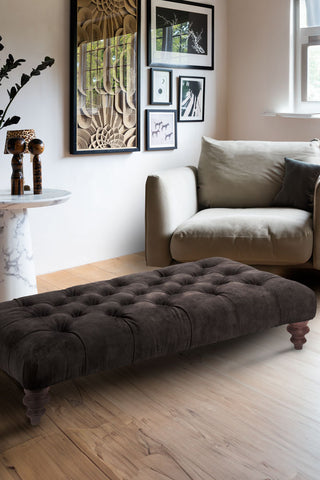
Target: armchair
[226, 207]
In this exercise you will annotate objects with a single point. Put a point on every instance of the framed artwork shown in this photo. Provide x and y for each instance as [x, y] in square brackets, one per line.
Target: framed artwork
[160, 86]
[191, 99]
[105, 48]
[161, 129]
[180, 34]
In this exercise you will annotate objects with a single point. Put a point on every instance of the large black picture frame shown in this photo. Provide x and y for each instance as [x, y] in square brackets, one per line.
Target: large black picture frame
[104, 77]
[180, 34]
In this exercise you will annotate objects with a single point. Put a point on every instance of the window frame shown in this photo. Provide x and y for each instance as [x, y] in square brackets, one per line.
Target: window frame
[302, 42]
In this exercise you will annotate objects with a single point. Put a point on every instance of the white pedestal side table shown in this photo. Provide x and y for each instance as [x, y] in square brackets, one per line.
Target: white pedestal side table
[17, 271]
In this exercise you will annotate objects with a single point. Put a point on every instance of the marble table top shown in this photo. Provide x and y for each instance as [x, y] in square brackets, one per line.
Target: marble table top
[49, 196]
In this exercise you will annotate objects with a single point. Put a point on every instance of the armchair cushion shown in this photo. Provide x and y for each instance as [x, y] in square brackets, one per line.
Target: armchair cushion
[246, 173]
[298, 185]
[276, 236]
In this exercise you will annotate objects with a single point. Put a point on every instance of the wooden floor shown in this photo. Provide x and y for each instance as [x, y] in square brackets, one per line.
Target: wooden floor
[247, 409]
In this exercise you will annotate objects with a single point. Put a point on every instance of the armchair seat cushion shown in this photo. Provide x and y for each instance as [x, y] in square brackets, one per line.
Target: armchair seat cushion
[276, 236]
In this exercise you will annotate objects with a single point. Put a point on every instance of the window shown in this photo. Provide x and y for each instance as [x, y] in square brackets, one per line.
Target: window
[106, 67]
[91, 54]
[173, 38]
[307, 55]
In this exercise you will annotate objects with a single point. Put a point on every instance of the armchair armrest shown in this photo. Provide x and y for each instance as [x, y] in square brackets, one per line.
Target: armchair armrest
[171, 198]
[316, 226]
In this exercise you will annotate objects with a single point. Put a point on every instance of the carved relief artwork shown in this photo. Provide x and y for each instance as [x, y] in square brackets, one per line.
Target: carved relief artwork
[104, 76]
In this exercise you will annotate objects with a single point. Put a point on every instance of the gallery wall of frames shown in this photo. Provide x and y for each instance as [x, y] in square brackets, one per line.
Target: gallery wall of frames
[105, 65]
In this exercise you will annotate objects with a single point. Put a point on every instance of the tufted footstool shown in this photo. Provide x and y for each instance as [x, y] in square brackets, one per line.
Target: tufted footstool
[55, 336]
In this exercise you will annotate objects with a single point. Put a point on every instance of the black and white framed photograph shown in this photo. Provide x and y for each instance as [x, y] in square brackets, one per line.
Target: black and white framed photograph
[191, 99]
[180, 34]
[161, 129]
[160, 86]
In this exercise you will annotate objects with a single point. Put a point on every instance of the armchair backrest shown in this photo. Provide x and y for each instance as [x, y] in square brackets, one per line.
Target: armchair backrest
[243, 174]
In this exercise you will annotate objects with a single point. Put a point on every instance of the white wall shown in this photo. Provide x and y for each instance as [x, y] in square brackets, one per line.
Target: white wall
[258, 72]
[105, 216]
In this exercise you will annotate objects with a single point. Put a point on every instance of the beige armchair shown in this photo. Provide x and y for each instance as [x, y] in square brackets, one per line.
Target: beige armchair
[225, 207]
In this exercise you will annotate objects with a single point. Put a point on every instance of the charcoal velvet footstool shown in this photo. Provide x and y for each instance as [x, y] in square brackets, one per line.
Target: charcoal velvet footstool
[55, 336]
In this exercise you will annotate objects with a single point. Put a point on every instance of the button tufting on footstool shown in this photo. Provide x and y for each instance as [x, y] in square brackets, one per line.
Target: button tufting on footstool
[55, 336]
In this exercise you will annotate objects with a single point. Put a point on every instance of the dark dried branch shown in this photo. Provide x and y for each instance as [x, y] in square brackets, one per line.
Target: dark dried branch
[10, 65]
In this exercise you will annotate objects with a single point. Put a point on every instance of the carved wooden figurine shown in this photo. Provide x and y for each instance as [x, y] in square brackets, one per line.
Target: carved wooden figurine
[16, 146]
[36, 147]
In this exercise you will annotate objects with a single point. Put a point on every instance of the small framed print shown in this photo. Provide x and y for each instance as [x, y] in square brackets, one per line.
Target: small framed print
[160, 86]
[191, 99]
[161, 129]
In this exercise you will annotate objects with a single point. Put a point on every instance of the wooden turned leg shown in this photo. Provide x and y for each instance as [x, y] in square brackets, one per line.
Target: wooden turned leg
[298, 332]
[35, 401]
